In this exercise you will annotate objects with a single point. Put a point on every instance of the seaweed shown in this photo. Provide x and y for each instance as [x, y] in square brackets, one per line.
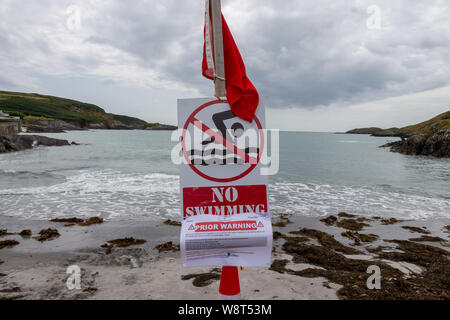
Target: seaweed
[277, 235]
[346, 215]
[8, 243]
[415, 229]
[4, 233]
[203, 279]
[283, 222]
[280, 224]
[351, 224]
[67, 220]
[433, 283]
[359, 237]
[91, 221]
[428, 239]
[126, 242]
[416, 253]
[47, 235]
[390, 221]
[168, 246]
[25, 233]
[279, 265]
[352, 275]
[324, 239]
[122, 243]
[108, 247]
[172, 223]
[329, 221]
[70, 222]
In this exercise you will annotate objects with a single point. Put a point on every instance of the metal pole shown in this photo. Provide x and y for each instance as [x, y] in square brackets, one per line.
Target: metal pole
[219, 62]
[219, 81]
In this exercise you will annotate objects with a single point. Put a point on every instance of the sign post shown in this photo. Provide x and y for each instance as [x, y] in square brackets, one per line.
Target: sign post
[224, 202]
[219, 62]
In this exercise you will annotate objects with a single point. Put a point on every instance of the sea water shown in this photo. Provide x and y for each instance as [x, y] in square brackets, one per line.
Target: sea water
[129, 175]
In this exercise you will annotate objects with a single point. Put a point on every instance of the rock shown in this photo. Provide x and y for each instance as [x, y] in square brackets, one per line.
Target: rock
[162, 128]
[172, 223]
[8, 243]
[91, 221]
[435, 144]
[49, 126]
[23, 142]
[119, 126]
[30, 141]
[47, 235]
[168, 246]
[97, 126]
[376, 132]
[6, 145]
[26, 233]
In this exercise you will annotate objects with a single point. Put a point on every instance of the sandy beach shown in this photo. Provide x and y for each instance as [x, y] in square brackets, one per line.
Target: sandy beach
[312, 259]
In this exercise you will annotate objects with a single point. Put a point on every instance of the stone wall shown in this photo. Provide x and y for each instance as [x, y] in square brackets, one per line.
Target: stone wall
[9, 128]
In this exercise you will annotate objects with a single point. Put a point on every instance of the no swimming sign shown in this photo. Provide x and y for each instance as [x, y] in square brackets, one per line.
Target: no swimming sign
[226, 219]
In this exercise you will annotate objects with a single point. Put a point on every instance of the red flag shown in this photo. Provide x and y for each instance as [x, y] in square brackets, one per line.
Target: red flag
[241, 94]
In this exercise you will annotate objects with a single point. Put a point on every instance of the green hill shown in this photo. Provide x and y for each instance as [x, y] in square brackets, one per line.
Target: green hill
[440, 122]
[431, 137]
[32, 106]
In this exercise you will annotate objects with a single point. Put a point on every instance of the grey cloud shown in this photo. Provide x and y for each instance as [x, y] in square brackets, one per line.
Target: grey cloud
[298, 53]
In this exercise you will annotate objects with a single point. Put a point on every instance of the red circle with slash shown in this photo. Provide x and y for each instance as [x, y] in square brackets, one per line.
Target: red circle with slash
[227, 144]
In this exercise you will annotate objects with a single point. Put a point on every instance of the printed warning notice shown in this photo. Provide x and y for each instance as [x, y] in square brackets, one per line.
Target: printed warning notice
[226, 241]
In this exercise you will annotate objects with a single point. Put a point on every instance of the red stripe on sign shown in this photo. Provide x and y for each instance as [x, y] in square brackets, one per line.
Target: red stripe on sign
[224, 201]
[227, 144]
[226, 226]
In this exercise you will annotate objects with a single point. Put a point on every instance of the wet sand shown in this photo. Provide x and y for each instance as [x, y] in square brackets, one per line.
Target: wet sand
[311, 260]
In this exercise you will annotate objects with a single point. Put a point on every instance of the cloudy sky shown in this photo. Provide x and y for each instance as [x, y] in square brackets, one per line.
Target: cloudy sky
[320, 65]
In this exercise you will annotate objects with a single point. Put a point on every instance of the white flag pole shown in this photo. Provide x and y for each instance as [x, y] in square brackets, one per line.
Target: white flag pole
[219, 70]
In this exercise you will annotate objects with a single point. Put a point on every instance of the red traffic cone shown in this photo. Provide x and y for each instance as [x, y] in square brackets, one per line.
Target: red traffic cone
[229, 284]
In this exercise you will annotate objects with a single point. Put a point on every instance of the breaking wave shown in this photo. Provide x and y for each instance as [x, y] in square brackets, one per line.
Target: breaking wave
[320, 200]
[131, 196]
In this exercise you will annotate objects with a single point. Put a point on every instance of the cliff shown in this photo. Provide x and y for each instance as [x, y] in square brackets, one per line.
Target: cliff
[431, 137]
[41, 113]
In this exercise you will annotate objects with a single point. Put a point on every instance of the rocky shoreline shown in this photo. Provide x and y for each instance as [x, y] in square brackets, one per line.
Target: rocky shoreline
[436, 144]
[59, 126]
[429, 138]
[24, 142]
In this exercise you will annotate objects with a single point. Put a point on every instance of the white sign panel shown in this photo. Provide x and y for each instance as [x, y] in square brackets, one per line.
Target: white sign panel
[221, 184]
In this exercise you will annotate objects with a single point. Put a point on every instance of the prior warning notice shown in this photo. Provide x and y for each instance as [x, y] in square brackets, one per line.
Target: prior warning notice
[244, 240]
[225, 211]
